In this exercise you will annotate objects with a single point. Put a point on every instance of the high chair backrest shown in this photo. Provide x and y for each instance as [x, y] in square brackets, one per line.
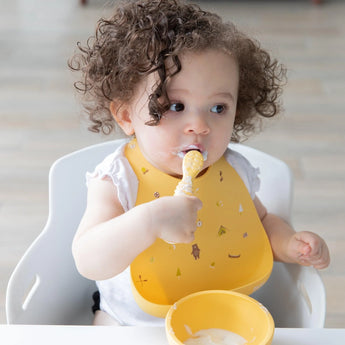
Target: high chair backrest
[45, 287]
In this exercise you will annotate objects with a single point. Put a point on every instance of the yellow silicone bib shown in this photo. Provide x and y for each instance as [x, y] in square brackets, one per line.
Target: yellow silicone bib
[230, 252]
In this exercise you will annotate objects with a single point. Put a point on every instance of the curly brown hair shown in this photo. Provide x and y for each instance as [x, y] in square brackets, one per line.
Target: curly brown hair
[139, 38]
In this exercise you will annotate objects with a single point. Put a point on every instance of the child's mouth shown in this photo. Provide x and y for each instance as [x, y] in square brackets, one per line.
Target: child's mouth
[182, 153]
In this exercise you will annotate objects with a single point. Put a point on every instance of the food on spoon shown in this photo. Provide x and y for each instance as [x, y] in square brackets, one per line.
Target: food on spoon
[192, 164]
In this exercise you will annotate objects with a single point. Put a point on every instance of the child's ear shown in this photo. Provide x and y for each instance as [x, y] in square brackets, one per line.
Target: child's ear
[121, 113]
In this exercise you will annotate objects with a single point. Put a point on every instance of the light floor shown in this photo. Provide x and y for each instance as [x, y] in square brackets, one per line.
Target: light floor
[40, 119]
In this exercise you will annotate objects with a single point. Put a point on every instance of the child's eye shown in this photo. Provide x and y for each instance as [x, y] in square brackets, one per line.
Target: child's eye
[218, 109]
[177, 107]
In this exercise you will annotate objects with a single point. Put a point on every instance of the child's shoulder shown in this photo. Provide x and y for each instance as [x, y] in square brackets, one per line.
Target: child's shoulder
[237, 160]
[116, 167]
[111, 164]
[248, 173]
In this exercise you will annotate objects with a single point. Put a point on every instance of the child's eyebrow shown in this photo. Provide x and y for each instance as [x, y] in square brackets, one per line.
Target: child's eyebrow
[217, 94]
[225, 95]
[178, 90]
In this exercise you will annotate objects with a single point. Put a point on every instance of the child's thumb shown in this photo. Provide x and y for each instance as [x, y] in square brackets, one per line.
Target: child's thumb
[302, 247]
[197, 201]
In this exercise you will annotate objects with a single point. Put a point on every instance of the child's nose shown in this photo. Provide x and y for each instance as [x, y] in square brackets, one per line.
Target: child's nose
[197, 124]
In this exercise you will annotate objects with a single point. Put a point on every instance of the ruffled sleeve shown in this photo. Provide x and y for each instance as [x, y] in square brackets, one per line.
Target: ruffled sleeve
[248, 173]
[116, 167]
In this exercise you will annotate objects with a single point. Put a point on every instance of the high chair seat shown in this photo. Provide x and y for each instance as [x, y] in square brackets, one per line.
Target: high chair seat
[46, 288]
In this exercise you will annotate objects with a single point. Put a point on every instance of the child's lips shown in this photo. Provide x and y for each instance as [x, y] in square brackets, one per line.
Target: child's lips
[181, 153]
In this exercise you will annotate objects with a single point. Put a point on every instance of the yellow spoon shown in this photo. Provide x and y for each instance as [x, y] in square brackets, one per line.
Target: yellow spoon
[192, 164]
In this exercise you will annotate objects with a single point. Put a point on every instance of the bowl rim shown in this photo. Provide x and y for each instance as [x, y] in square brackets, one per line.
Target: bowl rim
[269, 319]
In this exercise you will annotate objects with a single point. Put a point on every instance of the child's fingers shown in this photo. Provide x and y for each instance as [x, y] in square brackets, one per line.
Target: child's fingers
[318, 264]
[197, 201]
[321, 264]
[320, 259]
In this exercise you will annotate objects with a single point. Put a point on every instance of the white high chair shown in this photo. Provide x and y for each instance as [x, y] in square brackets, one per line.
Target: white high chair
[45, 287]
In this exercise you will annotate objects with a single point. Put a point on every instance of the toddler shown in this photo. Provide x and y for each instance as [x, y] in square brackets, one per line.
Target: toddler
[175, 78]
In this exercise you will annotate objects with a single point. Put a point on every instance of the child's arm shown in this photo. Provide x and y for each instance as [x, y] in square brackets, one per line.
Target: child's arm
[108, 239]
[305, 248]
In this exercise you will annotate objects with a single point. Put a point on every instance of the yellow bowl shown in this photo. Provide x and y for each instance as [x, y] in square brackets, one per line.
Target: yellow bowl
[220, 309]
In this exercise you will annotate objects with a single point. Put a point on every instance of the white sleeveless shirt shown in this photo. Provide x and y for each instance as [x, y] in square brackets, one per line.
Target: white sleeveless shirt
[116, 294]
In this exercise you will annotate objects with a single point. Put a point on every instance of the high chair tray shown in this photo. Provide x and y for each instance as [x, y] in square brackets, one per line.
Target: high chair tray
[90, 335]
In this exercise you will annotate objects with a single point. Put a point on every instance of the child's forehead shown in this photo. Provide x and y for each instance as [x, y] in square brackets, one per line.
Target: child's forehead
[206, 61]
[210, 69]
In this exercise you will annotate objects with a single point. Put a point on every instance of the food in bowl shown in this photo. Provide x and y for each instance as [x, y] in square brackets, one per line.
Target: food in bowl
[219, 309]
[215, 336]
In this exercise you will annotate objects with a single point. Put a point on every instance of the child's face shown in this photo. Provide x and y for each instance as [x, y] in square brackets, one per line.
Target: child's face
[203, 96]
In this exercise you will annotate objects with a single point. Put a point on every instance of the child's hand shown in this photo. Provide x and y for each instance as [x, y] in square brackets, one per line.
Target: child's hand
[308, 249]
[174, 218]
